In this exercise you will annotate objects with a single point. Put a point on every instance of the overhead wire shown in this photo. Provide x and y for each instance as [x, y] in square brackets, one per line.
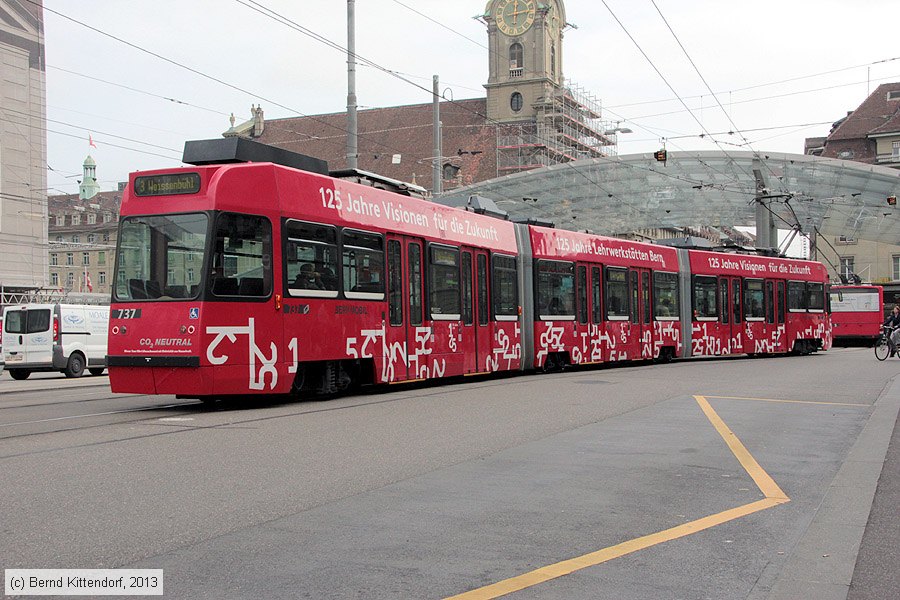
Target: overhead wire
[775, 178]
[286, 21]
[761, 85]
[188, 68]
[665, 80]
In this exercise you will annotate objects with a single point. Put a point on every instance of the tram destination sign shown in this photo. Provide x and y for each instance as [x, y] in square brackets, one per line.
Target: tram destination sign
[165, 185]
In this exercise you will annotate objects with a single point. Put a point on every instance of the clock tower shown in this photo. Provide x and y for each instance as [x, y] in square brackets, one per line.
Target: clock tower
[525, 41]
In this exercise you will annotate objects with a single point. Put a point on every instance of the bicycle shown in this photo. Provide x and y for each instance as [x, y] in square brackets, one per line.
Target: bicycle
[883, 344]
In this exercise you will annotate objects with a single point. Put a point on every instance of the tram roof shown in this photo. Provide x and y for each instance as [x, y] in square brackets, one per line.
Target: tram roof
[620, 194]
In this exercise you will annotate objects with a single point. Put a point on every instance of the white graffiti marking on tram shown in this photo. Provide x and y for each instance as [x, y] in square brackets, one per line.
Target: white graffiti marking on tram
[396, 353]
[257, 378]
[667, 331]
[504, 349]
[551, 339]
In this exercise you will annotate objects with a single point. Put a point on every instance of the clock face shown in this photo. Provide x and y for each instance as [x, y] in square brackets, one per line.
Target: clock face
[514, 17]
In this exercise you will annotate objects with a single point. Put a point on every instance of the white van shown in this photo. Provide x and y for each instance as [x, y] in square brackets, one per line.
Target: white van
[68, 338]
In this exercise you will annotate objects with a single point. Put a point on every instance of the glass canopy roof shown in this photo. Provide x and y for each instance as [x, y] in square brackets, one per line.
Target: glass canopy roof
[621, 194]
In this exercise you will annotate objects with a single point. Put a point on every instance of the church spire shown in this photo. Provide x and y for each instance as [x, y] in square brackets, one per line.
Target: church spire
[89, 186]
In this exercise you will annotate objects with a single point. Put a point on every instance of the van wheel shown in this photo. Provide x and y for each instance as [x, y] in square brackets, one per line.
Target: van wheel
[75, 368]
[19, 374]
[96, 372]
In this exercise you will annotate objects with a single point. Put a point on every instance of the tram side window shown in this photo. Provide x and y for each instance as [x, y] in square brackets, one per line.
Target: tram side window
[242, 259]
[736, 300]
[581, 299]
[156, 257]
[723, 300]
[363, 265]
[395, 283]
[311, 259]
[705, 305]
[596, 313]
[482, 275]
[415, 284]
[815, 296]
[506, 288]
[796, 296]
[616, 294]
[754, 306]
[770, 302]
[467, 288]
[443, 278]
[555, 289]
[634, 297]
[665, 295]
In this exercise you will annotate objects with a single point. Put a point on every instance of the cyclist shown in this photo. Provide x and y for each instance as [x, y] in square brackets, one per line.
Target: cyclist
[893, 324]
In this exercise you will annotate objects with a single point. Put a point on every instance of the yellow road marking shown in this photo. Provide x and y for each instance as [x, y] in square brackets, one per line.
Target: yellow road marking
[566, 567]
[788, 401]
[765, 483]
[773, 497]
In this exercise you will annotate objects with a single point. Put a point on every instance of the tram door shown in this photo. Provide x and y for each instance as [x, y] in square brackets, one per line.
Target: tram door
[397, 343]
[780, 310]
[468, 339]
[641, 317]
[775, 312]
[736, 343]
[405, 307]
[482, 317]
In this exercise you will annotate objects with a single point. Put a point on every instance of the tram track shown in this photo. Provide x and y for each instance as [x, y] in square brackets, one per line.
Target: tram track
[370, 398]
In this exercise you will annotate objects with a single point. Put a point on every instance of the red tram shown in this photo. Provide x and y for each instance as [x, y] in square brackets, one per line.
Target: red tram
[857, 312]
[273, 277]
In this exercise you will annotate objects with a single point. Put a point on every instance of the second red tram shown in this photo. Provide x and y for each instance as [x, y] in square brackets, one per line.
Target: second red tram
[857, 312]
[255, 277]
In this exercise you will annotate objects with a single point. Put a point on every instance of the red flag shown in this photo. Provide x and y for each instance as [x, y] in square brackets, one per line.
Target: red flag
[87, 278]
[91, 141]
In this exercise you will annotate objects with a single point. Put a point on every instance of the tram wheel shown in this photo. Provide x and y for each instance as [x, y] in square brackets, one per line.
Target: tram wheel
[550, 363]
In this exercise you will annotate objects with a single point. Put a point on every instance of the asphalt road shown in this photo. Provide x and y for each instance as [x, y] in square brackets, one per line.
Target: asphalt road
[428, 492]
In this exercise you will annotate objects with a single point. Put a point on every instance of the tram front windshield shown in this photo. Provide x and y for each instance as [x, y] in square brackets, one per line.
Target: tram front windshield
[160, 257]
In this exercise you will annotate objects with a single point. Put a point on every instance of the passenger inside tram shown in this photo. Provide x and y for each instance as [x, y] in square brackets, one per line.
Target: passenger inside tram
[308, 278]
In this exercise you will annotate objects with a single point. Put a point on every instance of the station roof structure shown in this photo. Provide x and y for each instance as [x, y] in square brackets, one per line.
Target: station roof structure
[614, 195]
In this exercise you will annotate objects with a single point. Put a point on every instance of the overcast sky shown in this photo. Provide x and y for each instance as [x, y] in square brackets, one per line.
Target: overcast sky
[828, 53]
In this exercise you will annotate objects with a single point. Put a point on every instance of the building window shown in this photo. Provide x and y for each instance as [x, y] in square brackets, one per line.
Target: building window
[190, 275]
[91, 238]
[450, 171]
[101, 258]
[70, 280]
[76, 219]
[59, 238]
[516, 56]
[516, 102]
[60, 220]
[107, 217]
[70, 259]
[847, 267]
[54, 259]
[553, 60]
[895, 267]
[895, 150]
[54, 279]
[92, 218]
[85, 258]
[76, 239]
[105, 237]
[102, 277]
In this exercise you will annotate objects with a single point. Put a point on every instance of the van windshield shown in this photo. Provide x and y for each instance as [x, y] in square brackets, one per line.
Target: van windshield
[160, 257]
